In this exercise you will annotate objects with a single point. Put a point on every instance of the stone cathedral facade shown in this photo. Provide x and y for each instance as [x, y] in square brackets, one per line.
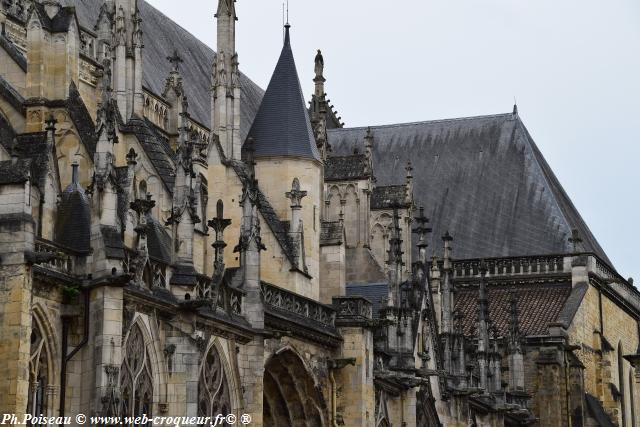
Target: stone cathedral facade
[177, 241]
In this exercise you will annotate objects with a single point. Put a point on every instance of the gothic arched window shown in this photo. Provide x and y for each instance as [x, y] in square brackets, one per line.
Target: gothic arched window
[38, 373]
[213, 389]
[136, 380]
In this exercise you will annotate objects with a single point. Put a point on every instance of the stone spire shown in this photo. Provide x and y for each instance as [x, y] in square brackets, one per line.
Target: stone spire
[283, 103]
[514, 346]
[408, 192]
[127, 47]
[395, 261]
[225, 83]
[422, 230]
[483, 327]
[447, 293]
[368, 150]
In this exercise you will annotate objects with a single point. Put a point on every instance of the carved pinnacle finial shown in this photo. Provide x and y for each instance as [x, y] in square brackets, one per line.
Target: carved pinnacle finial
[219, 223]
[395, 242]
[422, 230]
[295, 195]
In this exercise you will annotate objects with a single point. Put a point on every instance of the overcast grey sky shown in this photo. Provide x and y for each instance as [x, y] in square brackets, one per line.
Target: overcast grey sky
[573, 65]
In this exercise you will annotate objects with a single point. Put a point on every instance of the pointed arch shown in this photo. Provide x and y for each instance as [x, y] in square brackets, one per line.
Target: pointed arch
[44, 372]
[291, 393]
[141, 376]
[218, 391]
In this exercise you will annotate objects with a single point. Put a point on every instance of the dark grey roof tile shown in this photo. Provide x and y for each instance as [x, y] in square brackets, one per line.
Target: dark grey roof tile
[376, 293]
[481, 178]
[82, 120]
[113, 244]
[154, 148]
[158, 241]
[73, 220]
[282, 126]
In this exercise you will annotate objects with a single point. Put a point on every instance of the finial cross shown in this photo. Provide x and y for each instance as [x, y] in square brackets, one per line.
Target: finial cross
[175, 60]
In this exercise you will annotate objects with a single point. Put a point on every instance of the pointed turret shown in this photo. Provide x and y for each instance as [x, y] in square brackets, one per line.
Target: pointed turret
[282, 127]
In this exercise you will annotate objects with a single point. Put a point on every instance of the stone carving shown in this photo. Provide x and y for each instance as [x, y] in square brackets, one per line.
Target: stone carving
[283, 300]
[319, 64]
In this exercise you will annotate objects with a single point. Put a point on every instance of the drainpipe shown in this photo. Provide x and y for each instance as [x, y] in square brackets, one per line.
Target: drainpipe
[67, 357]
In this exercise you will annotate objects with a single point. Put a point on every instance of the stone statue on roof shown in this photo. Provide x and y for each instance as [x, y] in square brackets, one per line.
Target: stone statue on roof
[319, 68]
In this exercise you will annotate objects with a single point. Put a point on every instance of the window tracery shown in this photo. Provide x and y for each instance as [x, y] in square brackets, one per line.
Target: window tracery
[213, 388]
[136, 379]
[38, 373]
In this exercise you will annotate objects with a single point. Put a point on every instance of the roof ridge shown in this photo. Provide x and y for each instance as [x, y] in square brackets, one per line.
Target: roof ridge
[392, 125]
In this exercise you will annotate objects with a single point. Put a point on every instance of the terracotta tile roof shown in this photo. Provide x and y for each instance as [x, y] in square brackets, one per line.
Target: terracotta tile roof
[538, 304]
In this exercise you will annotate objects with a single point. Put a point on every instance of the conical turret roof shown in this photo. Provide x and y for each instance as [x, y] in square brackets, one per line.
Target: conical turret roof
[282, 126]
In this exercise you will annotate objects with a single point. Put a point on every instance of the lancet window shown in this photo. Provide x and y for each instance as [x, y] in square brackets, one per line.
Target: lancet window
[39, 375]
[213, 388]
[136, 379]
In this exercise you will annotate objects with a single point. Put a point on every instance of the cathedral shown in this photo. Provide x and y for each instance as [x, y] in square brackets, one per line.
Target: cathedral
[176, 241]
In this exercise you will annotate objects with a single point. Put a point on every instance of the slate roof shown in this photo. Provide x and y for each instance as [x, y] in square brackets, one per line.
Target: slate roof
[17, 173]
[6, 133]
[331, 233]
[158, 241]
[282, 126]
[33, 146]
[346, 168]
[481, 178]
[73, 220]
[113, 244]
[161, 37]
[82, 120]
[388, 197]
[538, 304]
[278, 228]
[376, 293]
[155, 149]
